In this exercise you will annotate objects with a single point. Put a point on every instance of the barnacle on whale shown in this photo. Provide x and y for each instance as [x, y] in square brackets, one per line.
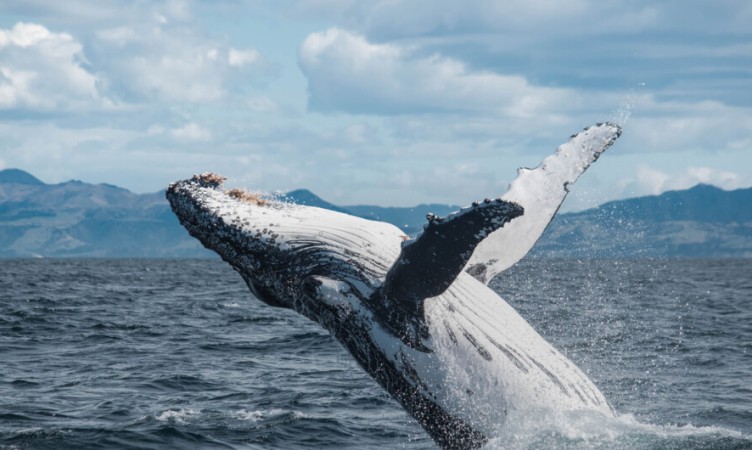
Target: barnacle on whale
[247, 196]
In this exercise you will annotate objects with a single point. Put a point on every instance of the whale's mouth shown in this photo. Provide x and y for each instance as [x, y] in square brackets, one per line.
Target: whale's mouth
[191, 200]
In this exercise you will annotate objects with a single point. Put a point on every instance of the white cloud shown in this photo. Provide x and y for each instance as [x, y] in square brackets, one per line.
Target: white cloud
[451, 97]
[141, 62]
[119, 36]
[44, 70]
[347, 73]
[696, 48]
[186, 77]
[178, 10]
[160, 52]
[151, 62]
[705, 126]
[191, 132]
[652, 181]
[721, 178]
[238, 58]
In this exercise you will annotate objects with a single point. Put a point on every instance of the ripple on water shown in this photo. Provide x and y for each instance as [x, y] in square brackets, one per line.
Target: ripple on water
[177, 354]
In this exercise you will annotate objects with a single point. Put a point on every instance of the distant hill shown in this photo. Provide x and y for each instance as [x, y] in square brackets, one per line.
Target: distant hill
[76, 219]
[409, 219]
[703, 221]
[18, 176]
[308, 198]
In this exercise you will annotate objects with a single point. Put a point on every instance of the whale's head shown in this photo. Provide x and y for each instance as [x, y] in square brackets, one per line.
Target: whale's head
[278, 247]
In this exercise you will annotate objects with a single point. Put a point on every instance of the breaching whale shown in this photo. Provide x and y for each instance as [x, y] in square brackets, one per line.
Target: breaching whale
[416, 314]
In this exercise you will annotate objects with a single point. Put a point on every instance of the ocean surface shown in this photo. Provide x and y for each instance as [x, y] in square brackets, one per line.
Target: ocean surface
[178, 354]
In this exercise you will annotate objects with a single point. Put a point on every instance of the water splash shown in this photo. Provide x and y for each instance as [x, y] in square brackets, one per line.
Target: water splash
[590, 430]
[178, 416]
[623, 113]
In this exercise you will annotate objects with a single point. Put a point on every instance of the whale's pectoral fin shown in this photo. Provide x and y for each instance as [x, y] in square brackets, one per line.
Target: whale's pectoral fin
[429, 264]
[540, 191]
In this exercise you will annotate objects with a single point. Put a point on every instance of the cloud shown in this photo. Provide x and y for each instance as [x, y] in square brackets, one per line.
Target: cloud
[191, 132]
[44, 70]
[683, 126]
[239, 58]
[347, 73]
[651, 181]
[721, 178]
[135, 53]
[402, 18]
[536, 20]
[422, 100]
[691, 48]
[262, 104]
[157, 62]
[100, 14]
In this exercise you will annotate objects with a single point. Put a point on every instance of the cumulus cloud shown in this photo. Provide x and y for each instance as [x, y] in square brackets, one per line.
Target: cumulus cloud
[347, 73]
[142, 62]
[449, 97]
[239, 58]
[651, 181]
[45, 70]
[703, 126]
[158, 62]
[687, 47]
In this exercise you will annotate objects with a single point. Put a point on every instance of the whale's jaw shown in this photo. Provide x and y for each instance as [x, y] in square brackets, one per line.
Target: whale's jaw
[210, 215]
[277, 247]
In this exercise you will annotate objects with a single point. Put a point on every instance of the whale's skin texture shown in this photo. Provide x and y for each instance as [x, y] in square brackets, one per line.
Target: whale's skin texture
[476, 360]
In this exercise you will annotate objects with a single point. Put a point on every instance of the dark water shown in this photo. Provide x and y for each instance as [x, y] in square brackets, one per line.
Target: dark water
[176, 354]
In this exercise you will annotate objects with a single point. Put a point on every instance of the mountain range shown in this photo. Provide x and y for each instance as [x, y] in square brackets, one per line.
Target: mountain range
[77, 219]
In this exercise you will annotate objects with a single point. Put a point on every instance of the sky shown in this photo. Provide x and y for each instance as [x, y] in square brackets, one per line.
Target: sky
[387, 102]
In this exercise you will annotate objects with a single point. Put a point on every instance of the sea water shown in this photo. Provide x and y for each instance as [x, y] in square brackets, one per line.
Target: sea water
[178, 354]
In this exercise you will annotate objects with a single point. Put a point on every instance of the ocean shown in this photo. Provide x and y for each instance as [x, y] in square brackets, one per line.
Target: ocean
[178, 354]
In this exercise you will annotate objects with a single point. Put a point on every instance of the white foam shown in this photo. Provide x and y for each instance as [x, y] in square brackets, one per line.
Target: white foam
[590, 430]
[258, 415]
[177, 416]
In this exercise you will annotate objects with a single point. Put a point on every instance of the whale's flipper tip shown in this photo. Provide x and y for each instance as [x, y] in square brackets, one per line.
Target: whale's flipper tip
[541, 191]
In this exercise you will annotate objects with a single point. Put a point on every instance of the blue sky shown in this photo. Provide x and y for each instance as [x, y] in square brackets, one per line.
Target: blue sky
[390, 102]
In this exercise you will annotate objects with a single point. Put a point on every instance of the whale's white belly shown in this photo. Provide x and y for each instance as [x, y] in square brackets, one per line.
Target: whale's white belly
[486, 362]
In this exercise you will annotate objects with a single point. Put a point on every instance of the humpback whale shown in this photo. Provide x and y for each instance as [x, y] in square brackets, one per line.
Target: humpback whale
[415, 313]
